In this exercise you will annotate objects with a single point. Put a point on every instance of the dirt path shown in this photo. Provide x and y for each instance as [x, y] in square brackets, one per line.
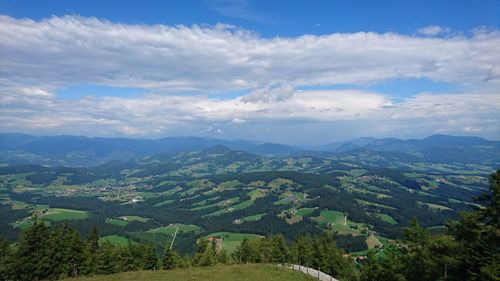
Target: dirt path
[173, 239]
[313, 272]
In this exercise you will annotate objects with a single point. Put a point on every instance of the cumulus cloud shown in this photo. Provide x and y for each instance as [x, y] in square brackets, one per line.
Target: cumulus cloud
[433, 30]
[73, 50]
[40, 57]
[166, 114]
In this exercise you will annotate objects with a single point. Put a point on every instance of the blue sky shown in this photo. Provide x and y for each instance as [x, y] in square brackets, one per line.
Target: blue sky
[278, 18]
[299, 72]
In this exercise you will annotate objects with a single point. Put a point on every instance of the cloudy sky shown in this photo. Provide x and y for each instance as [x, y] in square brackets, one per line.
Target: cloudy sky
[300, 72]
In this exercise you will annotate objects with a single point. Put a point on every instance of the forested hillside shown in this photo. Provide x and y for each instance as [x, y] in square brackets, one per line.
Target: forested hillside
[362, 198]
[468, 251]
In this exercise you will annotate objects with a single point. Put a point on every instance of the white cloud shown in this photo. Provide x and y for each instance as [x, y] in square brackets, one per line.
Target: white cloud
[62, 51]
[39, 57]
[167, 114]
[433, 30]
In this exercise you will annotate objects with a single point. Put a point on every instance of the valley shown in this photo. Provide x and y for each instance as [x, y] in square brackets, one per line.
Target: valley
[363, 197]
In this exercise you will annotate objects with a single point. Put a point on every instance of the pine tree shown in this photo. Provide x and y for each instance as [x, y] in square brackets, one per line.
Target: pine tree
[170, 259]
[243, 252]
[417, 256]
[31, 260]
[150, 259]
[107, 259]
[222, 256]
[91, 253]
[93, 241]
[5, 259]
[478, 234]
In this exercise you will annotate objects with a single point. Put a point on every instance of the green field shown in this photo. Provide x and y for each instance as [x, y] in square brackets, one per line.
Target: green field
[118, 222]
[437, 207]
[170, 230]
[134, 218]
[19, 205]
[231, 240]
[253, 218]
[23, 225]
[116, 240]
[333, 217]
[304, 211]
[246, 272]
[278, 183]
[372, 242]
[58, 214]
[254, 194]
[386, 218]
[163, 203]
[342, 229]
[364, 202]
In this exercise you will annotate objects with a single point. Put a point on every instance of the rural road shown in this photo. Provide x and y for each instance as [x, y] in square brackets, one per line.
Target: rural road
[313, 272]
[173, 239]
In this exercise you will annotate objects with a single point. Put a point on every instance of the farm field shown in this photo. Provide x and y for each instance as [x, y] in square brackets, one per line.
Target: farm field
[118, 222]
[386, 218]
[253, 217]
[170, 230]
[331, 217]
[59, 214]
[116, 240]
[204, 192]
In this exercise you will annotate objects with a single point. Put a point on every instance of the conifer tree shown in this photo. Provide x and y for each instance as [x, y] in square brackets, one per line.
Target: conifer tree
[5, 259]
[170, 259]
[150, 259]
[31, 259]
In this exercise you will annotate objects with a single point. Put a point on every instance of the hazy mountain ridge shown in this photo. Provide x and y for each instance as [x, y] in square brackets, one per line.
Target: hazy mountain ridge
[68, 150]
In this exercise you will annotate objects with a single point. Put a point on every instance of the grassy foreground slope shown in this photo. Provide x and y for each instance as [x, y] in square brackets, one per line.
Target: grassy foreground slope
[247, 272]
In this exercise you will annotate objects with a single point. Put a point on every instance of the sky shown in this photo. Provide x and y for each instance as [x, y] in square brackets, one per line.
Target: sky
[293, 72]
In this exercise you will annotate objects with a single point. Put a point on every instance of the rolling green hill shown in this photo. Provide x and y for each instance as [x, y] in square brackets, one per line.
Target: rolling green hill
[223, 190]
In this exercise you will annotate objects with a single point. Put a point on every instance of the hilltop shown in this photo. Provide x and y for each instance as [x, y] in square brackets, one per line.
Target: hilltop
[246, 272]
[67, 150]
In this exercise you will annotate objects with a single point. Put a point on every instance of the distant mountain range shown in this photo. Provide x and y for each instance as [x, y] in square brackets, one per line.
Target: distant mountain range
[68, 150]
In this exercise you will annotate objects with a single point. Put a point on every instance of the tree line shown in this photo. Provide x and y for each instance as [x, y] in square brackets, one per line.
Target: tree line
[60, 252]
[469, 251]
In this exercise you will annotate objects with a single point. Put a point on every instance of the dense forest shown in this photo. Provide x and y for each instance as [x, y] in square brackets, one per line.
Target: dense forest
[469, 251]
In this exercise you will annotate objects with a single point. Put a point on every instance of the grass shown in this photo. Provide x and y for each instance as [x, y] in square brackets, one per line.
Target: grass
[437, 207]
[231, 240]
[246, 272]
[163, 203]
[254, 194]
[253, 218]
[372, 241]
[304, 211]
[342, 229]
[58, 214]
[172, 191]
[364, 202]
[225, 203]
[19, 205]
[170, 230]
[167, 233]
[23, 225]
[277, 183]
[297, 215]
[386, 218]
[116, 240]
[333, 217]
[134, 218]
[117, 222]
